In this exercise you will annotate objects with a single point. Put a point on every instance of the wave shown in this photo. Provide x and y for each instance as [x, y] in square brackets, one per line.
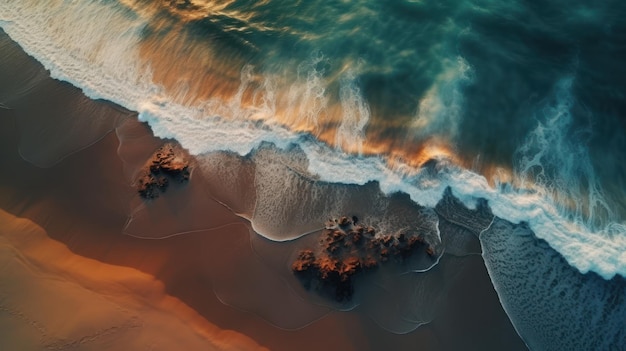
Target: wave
[96, 46]
[552, 305]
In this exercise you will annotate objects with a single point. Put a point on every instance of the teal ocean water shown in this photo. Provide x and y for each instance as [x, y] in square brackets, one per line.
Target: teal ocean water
[519, 103]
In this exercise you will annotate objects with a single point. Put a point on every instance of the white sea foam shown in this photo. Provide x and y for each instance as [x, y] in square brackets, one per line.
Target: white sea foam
[440, 109]
[351, 132]
[94, 45]
[307, 100]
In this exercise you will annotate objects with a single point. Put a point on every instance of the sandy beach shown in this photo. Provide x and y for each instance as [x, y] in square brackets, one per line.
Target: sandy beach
[78, 272]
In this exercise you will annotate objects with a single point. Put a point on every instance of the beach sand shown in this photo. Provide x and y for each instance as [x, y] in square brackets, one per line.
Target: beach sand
[75, 271]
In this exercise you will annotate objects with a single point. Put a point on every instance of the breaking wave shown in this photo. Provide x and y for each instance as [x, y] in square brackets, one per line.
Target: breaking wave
[97, 46]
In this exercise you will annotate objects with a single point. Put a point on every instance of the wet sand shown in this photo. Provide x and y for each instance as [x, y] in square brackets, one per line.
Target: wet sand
[55, 299]
[83, 201]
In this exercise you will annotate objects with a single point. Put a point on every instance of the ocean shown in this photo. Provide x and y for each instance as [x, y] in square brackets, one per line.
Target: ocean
[311, 110]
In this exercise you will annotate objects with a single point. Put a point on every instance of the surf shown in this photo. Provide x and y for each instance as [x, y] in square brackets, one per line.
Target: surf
[97, 46]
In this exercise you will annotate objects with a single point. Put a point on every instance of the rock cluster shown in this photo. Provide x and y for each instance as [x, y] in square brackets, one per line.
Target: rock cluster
[168, 163]
[348, 248]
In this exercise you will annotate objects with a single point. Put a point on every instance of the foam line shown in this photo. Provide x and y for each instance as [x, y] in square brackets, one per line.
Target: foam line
[94, 46]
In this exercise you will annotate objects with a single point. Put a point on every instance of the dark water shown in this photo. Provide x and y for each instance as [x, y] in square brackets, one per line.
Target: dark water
[559, 309]
[517, 103]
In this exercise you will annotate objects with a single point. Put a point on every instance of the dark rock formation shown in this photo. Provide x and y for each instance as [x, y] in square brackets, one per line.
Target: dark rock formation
[347, 249]
[344, 221]
[170, 163]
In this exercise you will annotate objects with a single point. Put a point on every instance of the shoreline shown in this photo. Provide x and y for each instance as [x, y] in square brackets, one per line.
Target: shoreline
[94, 231]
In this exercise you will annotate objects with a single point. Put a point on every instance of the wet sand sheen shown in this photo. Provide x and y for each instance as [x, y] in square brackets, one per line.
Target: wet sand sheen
[72, 301]
[83, 203]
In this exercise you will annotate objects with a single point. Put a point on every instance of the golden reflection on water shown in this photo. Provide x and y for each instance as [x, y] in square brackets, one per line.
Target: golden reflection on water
[203, 73]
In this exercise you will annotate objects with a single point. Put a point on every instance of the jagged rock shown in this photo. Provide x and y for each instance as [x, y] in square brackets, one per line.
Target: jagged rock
[169, 163]
[328, 268]
[330, 224]
[430, 251]
[304, 262]
[369, 262]
[344, 221]
[374, 244]
[304, 267]
[384, 255]
[406, 247]
[356, 237]
[387, 240]
[346, 249]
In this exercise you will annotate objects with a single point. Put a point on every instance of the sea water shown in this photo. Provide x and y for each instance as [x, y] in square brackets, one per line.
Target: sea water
[516, 103]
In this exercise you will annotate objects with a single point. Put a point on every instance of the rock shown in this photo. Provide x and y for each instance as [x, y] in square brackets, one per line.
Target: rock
[148, 187]
[346, 250]
[328, 268]
[402, 237]
[338, 235]
[349, 267]
[344, 222]
[333, 240]
[430, 251]
[330, 224]
[304, 262]
[374, 244]
[169, 163]
[384, 255]
[369, 262]
[356, 237]
[387, 240]
[406, 247]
